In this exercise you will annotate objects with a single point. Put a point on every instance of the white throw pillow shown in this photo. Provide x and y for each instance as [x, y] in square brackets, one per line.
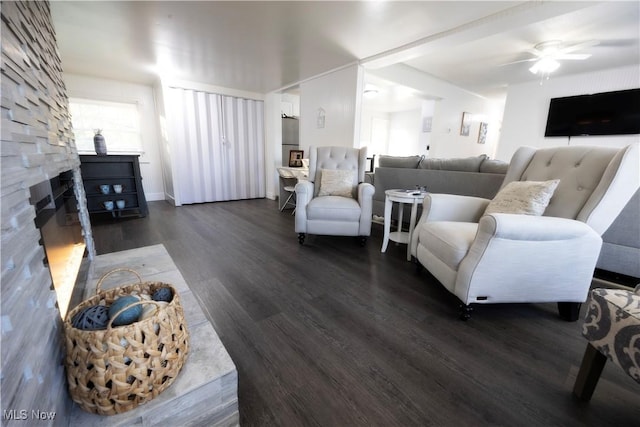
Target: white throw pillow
[336, 183]
[523, 197]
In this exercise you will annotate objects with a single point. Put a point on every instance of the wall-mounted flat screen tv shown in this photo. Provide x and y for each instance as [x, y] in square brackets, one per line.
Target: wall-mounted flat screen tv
[608, 113]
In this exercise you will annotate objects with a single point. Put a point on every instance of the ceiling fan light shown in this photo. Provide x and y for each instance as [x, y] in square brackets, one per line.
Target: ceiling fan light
[370, 91]
[545, 66]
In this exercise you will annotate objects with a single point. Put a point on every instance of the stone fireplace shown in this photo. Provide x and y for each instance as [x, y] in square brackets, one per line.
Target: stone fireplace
[37, 146]
[58, 219]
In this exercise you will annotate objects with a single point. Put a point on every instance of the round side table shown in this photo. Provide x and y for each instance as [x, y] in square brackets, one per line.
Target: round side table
[401, 197]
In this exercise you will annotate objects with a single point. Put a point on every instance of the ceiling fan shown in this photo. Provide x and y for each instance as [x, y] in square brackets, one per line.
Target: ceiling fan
[547, 54]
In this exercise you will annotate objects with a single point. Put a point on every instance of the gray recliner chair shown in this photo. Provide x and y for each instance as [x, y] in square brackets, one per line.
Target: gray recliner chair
[485, 258]
[335, 200]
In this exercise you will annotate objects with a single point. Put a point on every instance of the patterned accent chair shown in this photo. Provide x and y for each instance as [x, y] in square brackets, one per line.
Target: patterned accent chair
[337, 202]
[486, 257]
[612, 327]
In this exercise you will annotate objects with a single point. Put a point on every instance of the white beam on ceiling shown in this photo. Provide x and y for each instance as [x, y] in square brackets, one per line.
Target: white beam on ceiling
[503, 21]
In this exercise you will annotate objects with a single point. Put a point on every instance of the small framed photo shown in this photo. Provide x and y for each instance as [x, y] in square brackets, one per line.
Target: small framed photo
[465, 127]
[482, 134]
[295, 158]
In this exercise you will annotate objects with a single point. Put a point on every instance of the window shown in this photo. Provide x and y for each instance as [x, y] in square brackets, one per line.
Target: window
[118, 121]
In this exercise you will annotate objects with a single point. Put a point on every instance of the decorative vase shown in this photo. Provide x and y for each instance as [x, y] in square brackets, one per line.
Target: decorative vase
[99, 143]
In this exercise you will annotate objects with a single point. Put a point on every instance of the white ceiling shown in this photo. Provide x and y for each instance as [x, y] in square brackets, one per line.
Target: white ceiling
[264, 46]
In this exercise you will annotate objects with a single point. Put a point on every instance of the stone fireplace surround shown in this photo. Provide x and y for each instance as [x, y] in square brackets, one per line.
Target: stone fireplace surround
[37, 145]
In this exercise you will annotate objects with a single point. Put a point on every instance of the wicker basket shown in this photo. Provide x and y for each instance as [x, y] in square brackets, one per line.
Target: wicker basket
[113, 370]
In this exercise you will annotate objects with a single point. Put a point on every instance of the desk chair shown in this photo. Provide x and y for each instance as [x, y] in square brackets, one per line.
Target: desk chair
[287, 175]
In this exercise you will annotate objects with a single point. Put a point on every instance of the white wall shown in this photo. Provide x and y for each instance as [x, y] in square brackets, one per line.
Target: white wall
[527, 105]
[404, 133]
[273, 141]
[374, 131]
[165, 148]
[116, 91]
[397, 133]
[337, 93]
[445, 139]
[428, 110]
[290, 104]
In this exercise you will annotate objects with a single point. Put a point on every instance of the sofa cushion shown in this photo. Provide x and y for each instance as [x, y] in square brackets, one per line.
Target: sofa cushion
[468, 164]
[410, 162]
[523, 197]
[336, 182]
[448, 241]
[494, 166]
[333, 208]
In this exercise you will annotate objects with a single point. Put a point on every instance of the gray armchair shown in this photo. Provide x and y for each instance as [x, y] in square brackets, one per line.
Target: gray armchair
[484, 257]
[335, 200]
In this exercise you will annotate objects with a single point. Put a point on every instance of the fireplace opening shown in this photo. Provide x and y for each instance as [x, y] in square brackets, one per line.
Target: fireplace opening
[61, 233]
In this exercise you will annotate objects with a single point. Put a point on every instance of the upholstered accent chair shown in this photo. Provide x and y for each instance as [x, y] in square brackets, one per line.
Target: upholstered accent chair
[335, 200]
[495, 257]
[612, 329]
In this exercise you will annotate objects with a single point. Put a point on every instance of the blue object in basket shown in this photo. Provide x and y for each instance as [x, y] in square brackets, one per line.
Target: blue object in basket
[162, 294]
[128, 316]
[91, 318]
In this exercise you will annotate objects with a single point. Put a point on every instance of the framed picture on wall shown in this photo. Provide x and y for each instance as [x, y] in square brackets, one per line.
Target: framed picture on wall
[465, 127]
[295, 158]
[482, 134]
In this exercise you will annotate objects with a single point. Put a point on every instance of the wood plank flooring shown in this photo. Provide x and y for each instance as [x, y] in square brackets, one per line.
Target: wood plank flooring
[333, 334]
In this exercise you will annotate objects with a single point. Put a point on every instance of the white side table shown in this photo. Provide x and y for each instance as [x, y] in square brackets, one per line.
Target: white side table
[399, 236]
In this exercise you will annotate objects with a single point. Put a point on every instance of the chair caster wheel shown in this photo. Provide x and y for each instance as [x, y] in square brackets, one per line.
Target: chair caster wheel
[301, 237]
[465, 312]
[362, 241]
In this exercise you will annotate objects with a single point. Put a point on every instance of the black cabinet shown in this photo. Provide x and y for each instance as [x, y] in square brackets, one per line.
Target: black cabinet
[104, 175]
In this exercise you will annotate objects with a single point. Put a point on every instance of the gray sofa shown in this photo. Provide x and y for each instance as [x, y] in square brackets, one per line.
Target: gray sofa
[621, 246]
[471, 176]
[482, 177]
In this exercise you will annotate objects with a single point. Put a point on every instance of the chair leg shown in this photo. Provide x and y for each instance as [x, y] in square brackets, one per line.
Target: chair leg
[286, 202]
[590, 369]
[569, 311]
[419, 267]
[301, 237]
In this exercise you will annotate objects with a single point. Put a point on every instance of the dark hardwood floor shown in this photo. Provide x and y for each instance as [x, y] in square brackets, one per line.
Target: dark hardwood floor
[333, 334]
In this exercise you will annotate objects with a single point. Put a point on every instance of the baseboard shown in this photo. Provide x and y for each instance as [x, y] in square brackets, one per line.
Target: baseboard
[154, 197]
[169, 198]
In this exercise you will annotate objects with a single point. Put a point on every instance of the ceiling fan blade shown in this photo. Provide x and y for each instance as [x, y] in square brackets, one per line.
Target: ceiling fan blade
[578, 46]
[520, 61]
[535, 52]
[572, 56]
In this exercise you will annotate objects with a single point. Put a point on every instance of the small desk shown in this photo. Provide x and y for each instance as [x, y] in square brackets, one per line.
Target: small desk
[289, 177]
[399, 236]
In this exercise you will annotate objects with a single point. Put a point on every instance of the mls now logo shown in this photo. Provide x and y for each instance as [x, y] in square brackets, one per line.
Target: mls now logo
[14, 414]
[23, 414]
